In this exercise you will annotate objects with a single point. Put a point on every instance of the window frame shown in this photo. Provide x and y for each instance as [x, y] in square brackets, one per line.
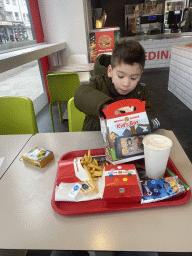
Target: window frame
[16, 14]
[39, 51]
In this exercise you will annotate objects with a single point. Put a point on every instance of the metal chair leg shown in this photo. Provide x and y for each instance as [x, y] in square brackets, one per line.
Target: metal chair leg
[60, 111]
[51, 113]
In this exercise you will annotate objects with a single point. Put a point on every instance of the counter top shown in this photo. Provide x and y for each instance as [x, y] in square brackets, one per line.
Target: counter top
[20, 56]
[184, 47]
[157, 37]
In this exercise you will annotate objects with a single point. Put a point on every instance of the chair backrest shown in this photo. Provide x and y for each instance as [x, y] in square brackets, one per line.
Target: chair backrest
[80, 59]
[17, 116]
[75, 117]
[62, 86]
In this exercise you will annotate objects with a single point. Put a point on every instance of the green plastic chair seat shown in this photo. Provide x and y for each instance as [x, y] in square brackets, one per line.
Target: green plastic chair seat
[75, 117]
[62, 88]
[17, 116]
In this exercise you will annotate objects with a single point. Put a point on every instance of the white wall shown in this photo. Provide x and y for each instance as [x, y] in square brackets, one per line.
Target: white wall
[63, 21]
[180, 74]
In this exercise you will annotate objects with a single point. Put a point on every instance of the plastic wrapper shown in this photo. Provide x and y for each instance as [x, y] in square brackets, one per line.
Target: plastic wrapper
[38, 157]
[160, 189]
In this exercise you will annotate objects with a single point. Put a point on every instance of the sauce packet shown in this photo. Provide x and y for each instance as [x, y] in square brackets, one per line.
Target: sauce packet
[160, 189]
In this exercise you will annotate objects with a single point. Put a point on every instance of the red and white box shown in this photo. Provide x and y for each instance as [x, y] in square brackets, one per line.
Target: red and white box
[123, 133]
[122, 184]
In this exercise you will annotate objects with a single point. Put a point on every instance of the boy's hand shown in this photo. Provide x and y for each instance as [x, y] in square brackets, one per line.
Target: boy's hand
[118, 112]
[124, 110]
[104, 106]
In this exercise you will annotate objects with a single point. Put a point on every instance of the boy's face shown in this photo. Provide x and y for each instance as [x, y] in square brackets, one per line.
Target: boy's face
[125, 77]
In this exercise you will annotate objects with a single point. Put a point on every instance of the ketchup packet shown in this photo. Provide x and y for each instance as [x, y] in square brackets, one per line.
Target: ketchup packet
[160, 189]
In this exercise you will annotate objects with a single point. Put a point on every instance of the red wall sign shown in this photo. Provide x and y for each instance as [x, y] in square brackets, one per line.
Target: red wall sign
[158, 55]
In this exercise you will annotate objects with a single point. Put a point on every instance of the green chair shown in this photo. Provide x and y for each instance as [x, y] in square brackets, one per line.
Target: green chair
[75, 117]
[61, 87]
[17, 116]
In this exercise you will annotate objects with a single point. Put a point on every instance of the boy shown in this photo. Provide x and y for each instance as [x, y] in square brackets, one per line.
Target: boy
[113, 80]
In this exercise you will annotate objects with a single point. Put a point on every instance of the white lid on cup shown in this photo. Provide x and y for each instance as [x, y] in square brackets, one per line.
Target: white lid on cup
[157, 142]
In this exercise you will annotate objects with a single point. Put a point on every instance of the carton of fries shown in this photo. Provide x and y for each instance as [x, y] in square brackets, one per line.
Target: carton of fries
[123, 129]
[84, 174]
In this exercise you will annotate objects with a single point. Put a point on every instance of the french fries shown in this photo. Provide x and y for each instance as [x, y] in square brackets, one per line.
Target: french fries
[94, 171]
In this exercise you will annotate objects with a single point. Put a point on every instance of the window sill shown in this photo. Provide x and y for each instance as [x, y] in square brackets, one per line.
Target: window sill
[18, 57]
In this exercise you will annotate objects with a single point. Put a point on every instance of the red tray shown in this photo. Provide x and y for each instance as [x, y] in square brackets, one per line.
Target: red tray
[100, 205]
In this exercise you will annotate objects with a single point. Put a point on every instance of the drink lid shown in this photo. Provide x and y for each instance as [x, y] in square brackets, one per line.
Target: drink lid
[158, 142]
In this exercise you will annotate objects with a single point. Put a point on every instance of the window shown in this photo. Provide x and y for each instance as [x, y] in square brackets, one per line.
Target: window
[14, 2]
[1, 13]
[21, 79]
[16, 16]
[22, 2]
[9, 16]
[24, 17]
[12, 79]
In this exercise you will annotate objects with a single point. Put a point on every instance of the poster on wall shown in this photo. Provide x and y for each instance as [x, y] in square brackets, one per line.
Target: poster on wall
[103, 41]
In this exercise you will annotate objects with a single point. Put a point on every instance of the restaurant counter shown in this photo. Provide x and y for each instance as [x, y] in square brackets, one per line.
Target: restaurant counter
[158, 47]
[159, 36]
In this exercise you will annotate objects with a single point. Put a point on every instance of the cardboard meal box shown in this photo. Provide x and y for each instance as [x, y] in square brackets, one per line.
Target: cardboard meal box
[122, 184]
[123, 133]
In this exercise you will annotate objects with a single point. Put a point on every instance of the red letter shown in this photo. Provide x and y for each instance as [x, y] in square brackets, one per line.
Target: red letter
[146, 56]
[118, 126]
[158, 55]
[154, 55]
[163, 53]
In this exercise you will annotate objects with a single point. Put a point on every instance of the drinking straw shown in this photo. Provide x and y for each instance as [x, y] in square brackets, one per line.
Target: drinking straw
[180, 181]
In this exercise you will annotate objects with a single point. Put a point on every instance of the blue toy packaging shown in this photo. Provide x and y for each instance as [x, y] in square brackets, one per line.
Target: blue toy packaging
[161, 189]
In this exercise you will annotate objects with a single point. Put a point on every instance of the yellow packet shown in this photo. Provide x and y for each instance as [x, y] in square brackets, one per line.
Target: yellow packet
[86, 186]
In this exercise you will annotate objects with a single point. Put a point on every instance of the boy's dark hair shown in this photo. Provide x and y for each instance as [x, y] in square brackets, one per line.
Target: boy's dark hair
[128, 52]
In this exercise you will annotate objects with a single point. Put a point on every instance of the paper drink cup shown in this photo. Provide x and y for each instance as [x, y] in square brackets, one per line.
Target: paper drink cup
[156, 152]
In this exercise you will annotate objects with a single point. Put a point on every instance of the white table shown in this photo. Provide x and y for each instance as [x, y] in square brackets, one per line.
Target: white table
[29, 222]
[10, 146]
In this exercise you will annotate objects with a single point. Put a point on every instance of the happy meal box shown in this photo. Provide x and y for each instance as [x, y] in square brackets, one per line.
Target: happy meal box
[123, 133]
